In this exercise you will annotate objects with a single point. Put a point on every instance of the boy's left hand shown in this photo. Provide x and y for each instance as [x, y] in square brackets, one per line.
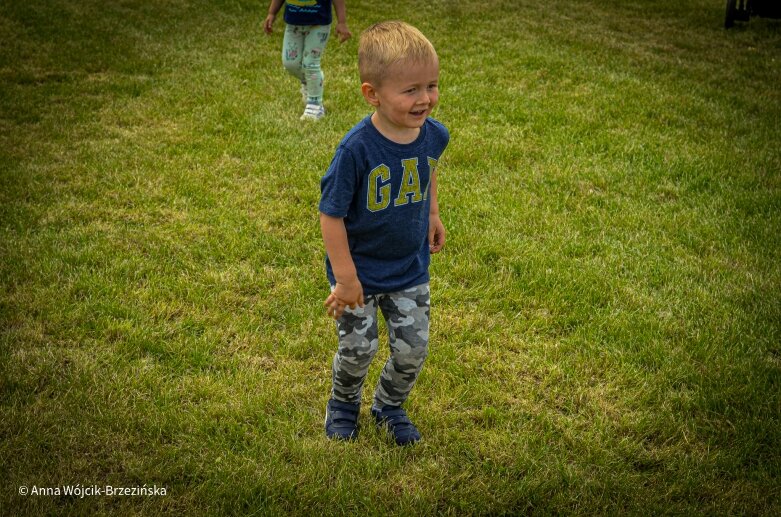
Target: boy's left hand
[343, 32]
[436, 234]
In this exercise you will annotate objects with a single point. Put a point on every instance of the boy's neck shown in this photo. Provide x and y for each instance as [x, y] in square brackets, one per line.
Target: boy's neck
[396, 135]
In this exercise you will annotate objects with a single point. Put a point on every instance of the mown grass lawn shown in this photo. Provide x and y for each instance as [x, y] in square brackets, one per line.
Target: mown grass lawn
[606, 316]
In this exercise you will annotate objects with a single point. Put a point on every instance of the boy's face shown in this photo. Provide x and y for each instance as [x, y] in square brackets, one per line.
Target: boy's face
[406, 96]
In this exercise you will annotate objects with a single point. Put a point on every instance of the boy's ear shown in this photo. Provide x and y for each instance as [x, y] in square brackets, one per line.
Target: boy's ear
[370, 94]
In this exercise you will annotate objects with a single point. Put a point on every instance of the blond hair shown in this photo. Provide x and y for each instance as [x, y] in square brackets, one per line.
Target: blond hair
[387, 43]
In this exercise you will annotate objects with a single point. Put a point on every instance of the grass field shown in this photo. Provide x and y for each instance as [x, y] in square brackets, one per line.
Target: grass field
[606, 315]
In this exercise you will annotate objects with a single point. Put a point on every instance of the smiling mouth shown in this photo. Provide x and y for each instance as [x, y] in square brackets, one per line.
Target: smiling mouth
[418, 112]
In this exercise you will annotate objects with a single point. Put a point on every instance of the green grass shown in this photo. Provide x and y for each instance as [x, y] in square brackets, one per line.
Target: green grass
[606, 315]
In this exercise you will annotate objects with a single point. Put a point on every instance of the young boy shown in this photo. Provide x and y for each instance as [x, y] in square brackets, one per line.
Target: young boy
[380, 221]
[306, 34]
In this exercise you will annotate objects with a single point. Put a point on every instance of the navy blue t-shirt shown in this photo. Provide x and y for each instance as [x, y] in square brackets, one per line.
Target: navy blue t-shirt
[381, 190]
[308, 12]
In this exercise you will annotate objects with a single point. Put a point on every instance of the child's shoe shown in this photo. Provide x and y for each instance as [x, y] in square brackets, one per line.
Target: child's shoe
[313, 112]
[395, 420]
[341, 420]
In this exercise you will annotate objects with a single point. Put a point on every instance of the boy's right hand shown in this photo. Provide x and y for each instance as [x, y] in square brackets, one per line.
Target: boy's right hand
[268, 23]
[345, 294]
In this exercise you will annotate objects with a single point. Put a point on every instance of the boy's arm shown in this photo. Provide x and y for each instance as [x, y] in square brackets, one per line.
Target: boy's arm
[348, 290]
[436, 230]
[273, 9]
[341, 21]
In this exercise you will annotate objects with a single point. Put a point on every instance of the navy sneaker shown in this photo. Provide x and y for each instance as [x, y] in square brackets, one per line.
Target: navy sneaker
[398, 424]
[341, 420]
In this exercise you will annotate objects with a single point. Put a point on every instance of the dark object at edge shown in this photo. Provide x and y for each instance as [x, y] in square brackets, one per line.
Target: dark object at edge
[742, 10]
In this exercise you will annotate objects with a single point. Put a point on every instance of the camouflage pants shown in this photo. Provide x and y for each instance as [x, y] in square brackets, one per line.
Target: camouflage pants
[406, 315]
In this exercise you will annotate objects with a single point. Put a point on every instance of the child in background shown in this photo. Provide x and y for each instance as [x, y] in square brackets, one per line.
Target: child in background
[306, 34]
[380, 222]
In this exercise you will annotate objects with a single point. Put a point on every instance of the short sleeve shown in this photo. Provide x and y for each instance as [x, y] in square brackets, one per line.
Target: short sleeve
[444, 136]
[338, 185]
